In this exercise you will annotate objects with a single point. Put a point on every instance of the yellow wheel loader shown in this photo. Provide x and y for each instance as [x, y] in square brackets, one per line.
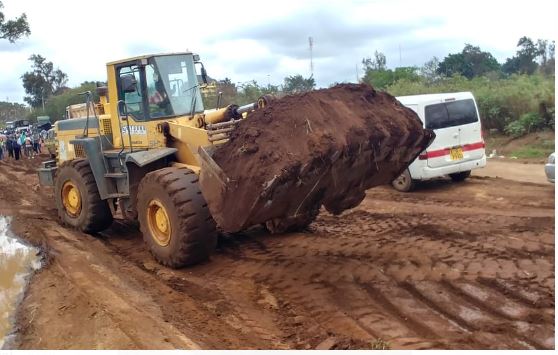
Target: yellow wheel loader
[137, 152]
[140, 151]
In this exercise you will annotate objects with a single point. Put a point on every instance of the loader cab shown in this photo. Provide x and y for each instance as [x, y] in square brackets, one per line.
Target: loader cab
[157, 87]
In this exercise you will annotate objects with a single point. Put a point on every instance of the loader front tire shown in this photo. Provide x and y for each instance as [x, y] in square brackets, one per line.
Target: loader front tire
[174, 218]
[77, 198]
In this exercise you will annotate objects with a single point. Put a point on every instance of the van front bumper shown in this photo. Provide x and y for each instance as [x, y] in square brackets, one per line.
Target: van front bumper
[426, 173]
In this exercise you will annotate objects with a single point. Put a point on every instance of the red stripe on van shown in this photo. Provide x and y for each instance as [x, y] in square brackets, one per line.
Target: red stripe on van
[442, 152]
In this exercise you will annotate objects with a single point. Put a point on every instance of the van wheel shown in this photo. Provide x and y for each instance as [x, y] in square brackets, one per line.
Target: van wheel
[404, 182]
[457, 177]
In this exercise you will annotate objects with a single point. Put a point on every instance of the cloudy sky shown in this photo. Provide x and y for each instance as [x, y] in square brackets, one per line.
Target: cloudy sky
[264, 40]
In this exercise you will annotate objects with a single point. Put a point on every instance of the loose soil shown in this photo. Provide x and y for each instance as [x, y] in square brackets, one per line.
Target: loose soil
[451, 266]
[324, 147]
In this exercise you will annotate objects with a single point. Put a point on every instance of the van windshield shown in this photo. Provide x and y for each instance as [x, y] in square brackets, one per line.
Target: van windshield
[450, 114]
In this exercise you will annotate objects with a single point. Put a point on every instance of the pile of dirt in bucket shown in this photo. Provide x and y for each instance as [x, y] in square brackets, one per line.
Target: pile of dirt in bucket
[324, 147]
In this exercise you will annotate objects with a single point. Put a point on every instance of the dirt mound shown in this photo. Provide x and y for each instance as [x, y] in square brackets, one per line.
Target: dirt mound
[323, 147]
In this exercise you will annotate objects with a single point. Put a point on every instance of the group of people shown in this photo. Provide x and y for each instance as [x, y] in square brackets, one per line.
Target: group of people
[24, 144]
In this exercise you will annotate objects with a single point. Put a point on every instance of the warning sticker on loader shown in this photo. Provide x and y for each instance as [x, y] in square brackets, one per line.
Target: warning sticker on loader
[135, 130]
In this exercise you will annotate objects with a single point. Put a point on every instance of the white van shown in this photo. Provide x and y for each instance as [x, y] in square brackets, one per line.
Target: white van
[458, 147]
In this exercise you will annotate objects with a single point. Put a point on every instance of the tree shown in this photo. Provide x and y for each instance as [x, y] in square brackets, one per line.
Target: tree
[381, 79]
[13, 30]
[56, 105]
[297, 83]
[377, 75]
[470, 62]
[527, 54]
[378, 63]
[43, 81]
[10, 111]
[524, 60]
[546, 54]
[429, 70]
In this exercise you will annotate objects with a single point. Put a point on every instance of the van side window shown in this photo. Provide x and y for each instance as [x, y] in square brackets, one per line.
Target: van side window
[435, 116]
[450, 114]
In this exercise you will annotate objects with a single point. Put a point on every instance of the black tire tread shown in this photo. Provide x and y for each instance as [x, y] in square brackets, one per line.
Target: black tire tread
[197, 229]
[97, 216]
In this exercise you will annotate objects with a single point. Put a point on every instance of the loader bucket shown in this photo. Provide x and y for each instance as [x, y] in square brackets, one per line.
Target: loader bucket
[337, 181]
[301, 152]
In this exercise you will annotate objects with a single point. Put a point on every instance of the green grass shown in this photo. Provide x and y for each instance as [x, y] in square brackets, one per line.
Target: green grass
[536, 150]
[533, 146]
[531, 153]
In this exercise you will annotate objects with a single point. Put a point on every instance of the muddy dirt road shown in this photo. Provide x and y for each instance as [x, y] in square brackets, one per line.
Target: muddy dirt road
[467, 265]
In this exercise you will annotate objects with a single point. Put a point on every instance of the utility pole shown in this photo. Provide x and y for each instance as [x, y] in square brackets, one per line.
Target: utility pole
[311, 45]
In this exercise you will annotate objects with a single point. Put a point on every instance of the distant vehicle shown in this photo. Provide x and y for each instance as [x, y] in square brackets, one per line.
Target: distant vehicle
[458, 147]
[18, 130]
[549, 168]
[41, 120]
[81, 110]
[18, 123]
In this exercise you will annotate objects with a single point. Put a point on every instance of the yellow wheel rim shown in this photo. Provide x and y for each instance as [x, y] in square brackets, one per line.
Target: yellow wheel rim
[159, 223]
[71, 198]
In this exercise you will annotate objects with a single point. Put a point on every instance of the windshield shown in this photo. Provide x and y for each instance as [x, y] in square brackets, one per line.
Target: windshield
[172, 86]
[450, 114]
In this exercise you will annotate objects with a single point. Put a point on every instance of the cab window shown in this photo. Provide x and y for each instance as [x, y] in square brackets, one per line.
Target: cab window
[132, 99]
[157, 95]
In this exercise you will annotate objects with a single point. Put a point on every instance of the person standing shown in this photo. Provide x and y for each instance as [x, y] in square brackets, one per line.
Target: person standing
[29, 153]
[36, 143]
[10, 147]
[2, 149]
[17, 148]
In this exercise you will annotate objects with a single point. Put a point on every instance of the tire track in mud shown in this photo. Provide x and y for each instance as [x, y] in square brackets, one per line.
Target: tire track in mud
[414, 278]
[479, 316]
[302, 272]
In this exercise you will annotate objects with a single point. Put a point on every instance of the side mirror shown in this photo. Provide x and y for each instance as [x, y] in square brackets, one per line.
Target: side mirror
[122, 110]
[203, 74]
[128, 83]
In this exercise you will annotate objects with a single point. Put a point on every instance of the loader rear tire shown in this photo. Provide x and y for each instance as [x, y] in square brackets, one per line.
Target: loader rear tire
[174, 218]
[77, 198]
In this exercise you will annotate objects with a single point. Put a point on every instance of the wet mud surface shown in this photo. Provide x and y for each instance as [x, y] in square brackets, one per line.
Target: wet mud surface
[450, 266]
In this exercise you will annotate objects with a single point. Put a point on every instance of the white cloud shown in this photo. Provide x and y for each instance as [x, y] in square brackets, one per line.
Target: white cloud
[246, 40]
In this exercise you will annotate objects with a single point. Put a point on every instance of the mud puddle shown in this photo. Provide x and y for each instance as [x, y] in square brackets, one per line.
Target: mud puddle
[17, 262]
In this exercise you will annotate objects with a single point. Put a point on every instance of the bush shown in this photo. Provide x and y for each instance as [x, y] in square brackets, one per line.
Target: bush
[501, 101]
[527, 123]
